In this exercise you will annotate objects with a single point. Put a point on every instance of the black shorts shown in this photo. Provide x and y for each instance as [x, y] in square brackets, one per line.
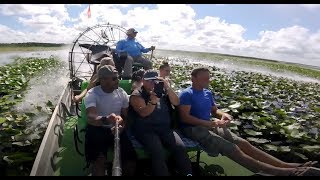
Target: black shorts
[99, 139]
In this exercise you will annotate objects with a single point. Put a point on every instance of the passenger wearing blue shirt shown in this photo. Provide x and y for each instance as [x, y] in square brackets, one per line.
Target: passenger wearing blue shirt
[197, 106]
[132, 50]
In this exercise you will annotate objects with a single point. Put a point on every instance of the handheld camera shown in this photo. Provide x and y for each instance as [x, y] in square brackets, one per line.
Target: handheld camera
[158, 88]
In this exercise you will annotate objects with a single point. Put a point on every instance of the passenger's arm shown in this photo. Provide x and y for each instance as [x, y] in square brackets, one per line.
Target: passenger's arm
[92, 84]
[184, 111]
[92, 114]
[225, 118]
[220, 114]
[141, 107]
[79, 97]
[93, 118]
[217, 112]
[143, 49]
[173, 97]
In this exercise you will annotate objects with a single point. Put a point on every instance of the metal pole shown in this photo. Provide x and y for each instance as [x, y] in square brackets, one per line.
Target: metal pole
[151, 55]
[116, 167]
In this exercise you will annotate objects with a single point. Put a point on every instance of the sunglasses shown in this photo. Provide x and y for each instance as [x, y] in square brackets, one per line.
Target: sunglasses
[155, 81]
[115, 78]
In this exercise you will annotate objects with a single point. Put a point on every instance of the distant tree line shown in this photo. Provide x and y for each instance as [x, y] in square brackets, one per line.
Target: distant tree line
[33, 44]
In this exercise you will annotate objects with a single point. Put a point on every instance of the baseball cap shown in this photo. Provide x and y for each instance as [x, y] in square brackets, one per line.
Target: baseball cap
[106, 71]
[150, 75]
[131, 31]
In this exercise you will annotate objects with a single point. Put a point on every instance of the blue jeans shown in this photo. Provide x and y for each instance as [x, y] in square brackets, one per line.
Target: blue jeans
[154, 139]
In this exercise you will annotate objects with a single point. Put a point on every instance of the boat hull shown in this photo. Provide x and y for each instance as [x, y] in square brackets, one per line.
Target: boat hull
[43, 164]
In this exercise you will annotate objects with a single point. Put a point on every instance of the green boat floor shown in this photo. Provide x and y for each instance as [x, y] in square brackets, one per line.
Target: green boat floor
[70, 163]
[221, 166]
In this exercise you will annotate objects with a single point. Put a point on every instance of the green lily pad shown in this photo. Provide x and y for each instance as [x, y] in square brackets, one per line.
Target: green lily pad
[2, 120]
[19, 158]
[10, 118]
[252, 132]
[22, 143]
[49, 104]
[270, 147]
[296, 134]
[300, 155]
[225, 110]
[39, 108]
[238, 123]
[257, 140]
[235, 105]
[284, 149]
[311, 148]
[259, 126]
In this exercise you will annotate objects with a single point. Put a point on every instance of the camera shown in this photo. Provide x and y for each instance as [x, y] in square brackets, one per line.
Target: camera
[158, 88]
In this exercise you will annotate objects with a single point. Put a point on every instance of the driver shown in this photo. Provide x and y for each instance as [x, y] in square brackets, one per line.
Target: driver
[131, 50]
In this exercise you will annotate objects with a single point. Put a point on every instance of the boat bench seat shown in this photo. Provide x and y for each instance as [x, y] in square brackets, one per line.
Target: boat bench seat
[189, 144]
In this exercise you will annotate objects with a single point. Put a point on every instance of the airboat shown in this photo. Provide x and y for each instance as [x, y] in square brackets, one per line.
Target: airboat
[61, 152]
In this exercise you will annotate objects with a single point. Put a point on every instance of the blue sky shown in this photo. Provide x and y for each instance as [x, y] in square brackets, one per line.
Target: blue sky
[266, 31]
[259, 17]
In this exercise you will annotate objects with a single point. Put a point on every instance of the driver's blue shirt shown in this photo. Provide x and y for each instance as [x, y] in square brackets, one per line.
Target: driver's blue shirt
[131, 46]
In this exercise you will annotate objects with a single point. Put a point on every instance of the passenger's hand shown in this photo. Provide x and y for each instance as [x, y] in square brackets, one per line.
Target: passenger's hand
[227, 118]
[112, 118]
[152, 48]
[217, 123]
[166, 83]
[211, 124]
[220, 123]
[119, 119]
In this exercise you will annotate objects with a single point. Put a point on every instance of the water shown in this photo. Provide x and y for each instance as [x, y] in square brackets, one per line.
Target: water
[6, 58]
[313, 63]
[230, 65]
[48, 87]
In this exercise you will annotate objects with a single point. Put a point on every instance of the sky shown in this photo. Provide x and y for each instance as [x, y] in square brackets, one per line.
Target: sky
[288, 32]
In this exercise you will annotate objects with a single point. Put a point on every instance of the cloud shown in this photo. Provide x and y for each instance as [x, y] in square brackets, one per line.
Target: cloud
[40, 21]
[292, 43]
[8, 35]
[166, 26]
[311, 6]
[30, 10]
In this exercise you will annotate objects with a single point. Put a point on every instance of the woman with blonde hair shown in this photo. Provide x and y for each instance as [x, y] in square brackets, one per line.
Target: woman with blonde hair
[93, 79]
